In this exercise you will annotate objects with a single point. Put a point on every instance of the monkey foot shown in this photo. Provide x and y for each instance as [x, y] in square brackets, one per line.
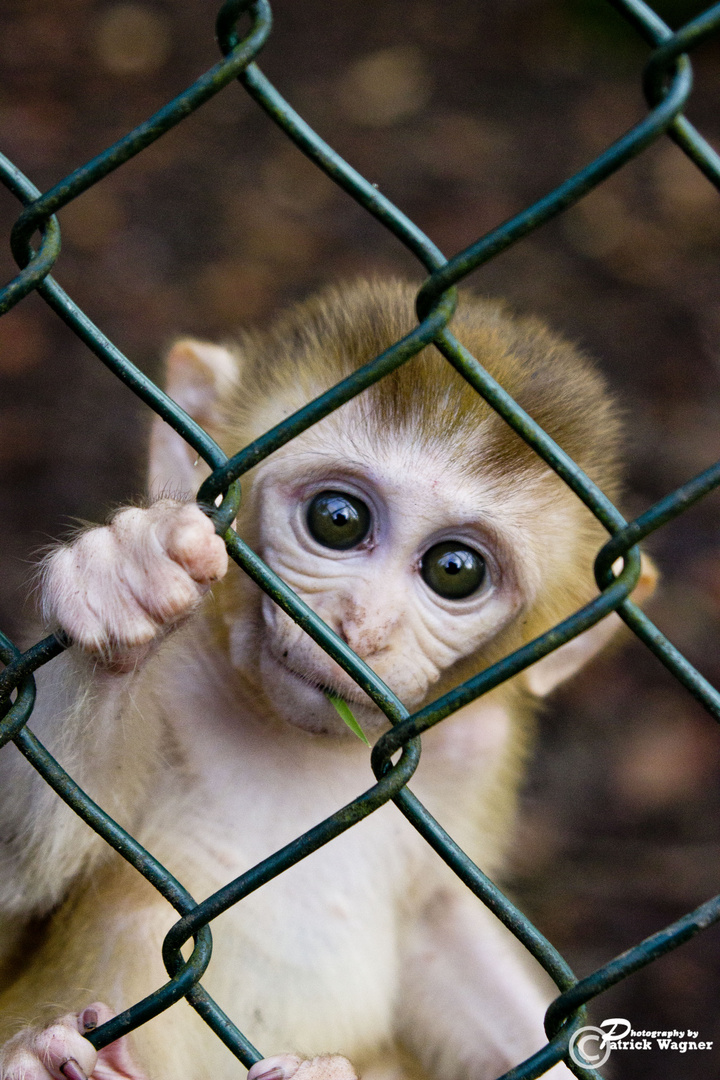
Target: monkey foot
[59, 1052]
[292, 1067]
[116, 588]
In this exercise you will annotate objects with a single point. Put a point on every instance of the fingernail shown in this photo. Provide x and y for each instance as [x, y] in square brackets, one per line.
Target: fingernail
[276, 1073]
[89, 1020]
[72, 1070]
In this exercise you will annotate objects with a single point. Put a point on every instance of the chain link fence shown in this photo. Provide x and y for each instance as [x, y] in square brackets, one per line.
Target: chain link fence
[242, 30]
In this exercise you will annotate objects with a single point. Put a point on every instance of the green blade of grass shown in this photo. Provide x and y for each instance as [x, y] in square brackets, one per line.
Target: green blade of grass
[346, 715]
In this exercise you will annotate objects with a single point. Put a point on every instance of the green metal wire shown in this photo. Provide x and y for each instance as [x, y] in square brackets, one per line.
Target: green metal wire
[667, 83]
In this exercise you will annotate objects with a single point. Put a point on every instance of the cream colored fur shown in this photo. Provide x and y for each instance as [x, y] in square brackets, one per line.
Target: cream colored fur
[201, 725]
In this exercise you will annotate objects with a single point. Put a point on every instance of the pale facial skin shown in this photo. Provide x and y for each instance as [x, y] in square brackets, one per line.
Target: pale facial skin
[373, 593]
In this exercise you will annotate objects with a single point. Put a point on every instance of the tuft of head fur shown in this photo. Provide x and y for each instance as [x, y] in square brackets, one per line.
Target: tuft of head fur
[315, 344]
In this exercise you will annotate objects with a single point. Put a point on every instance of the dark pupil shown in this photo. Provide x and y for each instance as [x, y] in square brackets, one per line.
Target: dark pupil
[337, 520]
[453, 570]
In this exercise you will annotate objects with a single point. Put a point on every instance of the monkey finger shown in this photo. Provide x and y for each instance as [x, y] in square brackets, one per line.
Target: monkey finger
[63, 1051]
[292, 1067]
[58, 1052]
[167, 557]
[144, 572]
[190, 539]
[278, 1067]
[326, 1067]
[114, 1062]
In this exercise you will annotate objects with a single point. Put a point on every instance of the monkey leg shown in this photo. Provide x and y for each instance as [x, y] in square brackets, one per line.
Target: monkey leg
[472, 1000]
[59, 1052]
[116, 588]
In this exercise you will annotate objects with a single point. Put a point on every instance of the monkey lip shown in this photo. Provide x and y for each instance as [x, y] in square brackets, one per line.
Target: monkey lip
[324, 687]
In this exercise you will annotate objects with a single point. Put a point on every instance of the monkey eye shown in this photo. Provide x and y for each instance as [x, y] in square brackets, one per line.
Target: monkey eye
[337, 520]
[453, 570]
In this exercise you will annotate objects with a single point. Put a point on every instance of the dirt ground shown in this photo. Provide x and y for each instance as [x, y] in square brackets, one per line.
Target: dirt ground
[463, 112]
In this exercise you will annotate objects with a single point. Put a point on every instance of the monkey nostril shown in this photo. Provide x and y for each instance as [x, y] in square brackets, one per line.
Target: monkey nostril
[364, 643]
[353, 637]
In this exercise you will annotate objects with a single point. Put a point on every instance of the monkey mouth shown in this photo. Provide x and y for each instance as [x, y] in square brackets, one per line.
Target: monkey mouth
[323, 686]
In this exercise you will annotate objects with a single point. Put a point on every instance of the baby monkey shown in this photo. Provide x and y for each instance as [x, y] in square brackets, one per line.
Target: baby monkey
[433, 541]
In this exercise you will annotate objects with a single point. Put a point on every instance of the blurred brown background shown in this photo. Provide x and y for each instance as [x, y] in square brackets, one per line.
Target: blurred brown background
[463, 112]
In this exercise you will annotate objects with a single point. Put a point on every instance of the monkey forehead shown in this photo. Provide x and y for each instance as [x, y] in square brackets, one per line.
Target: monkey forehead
[327, 339]
[475, 441]
[436, 472]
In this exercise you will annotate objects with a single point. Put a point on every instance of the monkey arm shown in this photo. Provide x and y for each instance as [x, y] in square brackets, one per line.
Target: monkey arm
[86, 719]
[471, 1005]
[116, 591]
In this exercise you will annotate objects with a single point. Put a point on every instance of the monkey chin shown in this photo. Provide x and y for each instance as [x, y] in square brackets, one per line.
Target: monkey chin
[301, 700]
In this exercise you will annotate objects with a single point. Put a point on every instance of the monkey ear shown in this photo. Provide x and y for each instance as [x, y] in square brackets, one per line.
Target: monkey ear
[198, 376]
[560, 665]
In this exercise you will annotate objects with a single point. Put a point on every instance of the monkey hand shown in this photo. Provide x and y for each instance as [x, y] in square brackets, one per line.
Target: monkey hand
[292, 1067]
[59, 1052]
[115, 589]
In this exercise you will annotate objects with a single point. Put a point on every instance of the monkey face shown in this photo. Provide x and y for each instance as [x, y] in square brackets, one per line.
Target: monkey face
[413, 519]
[410, 559]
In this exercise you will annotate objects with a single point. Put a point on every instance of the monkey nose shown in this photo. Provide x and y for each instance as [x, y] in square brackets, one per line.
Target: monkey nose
[367, 641]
